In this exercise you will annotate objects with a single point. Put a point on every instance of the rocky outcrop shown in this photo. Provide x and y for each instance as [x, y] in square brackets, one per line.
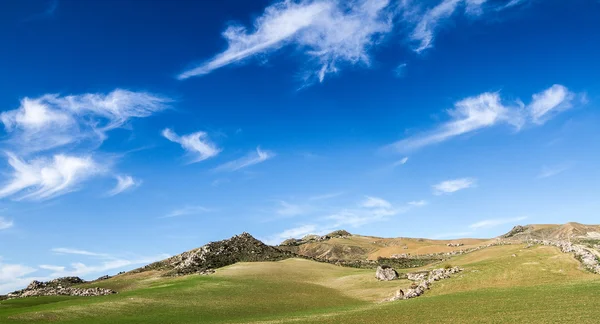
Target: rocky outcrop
[59, 287]
[516, 230]
[455, 244]
[62, 291]
[587, 258]
[315, 238]
[240, 248]
[419, 289]
[386, 273]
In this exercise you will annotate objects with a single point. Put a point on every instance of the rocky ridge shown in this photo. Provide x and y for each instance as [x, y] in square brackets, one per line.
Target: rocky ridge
[59, 287]
[316, 238]
[203, 260]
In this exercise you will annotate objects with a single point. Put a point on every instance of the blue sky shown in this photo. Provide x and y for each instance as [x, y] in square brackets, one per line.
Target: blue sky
[135, 132]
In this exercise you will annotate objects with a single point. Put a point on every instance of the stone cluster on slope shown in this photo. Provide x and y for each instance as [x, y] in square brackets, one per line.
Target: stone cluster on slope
[587, 258]
[59, 287]
[424, 284]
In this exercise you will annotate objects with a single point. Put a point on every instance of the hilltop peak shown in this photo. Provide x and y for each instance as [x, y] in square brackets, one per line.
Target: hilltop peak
[239, 248]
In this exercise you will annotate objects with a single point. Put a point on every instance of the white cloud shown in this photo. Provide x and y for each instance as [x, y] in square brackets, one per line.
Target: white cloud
[548, 172]
[10, 275]
[374, 202]
[418, 203]
[46, 178]
[326, 196]
[289, 210]
[468, 115]
[450, 186]
[124, 183]
[400, 70]
[52, 121]
[549, 102]
[5, 223]
[487, 110]
[512, 3]
[424, 32]
[196, 144]
[495, 222]
[400, 162]
[328, 32]
[187, 210]
[52, 268]
[251, 159]
[79, 252]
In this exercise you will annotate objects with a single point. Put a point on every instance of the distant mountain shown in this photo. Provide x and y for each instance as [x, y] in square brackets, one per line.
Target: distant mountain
[568, 231]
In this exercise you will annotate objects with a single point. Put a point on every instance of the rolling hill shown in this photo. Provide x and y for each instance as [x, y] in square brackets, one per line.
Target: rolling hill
[256, 283]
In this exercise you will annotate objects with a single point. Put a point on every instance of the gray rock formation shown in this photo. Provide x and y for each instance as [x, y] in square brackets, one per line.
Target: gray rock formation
[59, 287]
[386, 273]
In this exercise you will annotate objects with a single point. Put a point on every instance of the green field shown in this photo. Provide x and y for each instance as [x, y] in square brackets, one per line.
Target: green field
[538, 285]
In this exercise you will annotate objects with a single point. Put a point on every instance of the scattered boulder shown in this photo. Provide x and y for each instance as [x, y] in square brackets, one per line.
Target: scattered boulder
[103, 278]
[417, 276]
[386, 273]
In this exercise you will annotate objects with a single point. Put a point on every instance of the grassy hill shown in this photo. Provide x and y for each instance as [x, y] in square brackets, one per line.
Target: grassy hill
[500, 284]
[569, 231]
[358, 247]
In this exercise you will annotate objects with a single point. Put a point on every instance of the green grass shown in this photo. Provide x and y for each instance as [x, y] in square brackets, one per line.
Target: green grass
[539, 285]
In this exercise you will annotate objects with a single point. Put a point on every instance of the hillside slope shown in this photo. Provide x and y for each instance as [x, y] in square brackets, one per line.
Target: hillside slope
[555, 232]
[358, 247]
[502, 284]
[239, 248]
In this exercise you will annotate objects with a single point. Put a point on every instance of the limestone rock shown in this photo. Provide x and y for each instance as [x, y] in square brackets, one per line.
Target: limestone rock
[386, 273]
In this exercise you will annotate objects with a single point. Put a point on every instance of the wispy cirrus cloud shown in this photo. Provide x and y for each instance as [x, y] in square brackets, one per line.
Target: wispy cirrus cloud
[326, 196]
[451, 186]
[43, 178]
[250, 159]
[332, 34]
[488, 223]
[42, 128]
[79, 252]
[6, 223]
[488, 109]
[124, 183]
[52, 121]
[418, 203]
[550, 171]
[549, 102]
[286, 209]
[375, 202]
[196, 144]
[329, 33]
[187, 210]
